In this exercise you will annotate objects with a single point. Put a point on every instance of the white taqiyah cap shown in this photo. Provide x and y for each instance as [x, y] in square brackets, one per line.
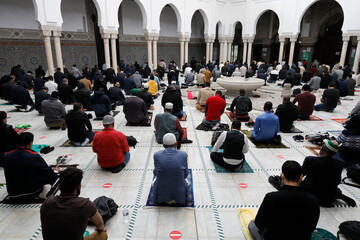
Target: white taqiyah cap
[169, 139]
[108, 120]
[146, 85]
[173, 82]
[169, 105]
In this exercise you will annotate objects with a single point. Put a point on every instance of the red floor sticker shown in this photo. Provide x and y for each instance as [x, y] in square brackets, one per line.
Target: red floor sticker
[243, 185]
[322, 125]
[107, 185]
[100, 125]
[280, 156]
[42, 137]
[175, 235]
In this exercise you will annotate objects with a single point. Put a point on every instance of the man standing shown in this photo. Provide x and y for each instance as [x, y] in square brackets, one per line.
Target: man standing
[170, 170]
[306, 103]
[291, 209]
[9, 139]
[351, 83]
[330, 99]
[167, 123]
[72, 212]
[235, 145]
[79, 127]
[214, 108]
[135, 110]
[111, 147]
[203, 96]
[243, 106]
[287, 113]
[27, 174]
[266, 125]
[40, 96]
[54, 112]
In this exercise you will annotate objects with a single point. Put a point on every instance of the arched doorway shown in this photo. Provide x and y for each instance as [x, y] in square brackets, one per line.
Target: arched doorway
[320, 32]
[238, 45]
[266, 42]
[197, 46]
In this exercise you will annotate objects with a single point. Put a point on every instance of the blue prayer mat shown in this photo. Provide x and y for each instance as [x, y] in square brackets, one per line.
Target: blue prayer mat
[37, 148]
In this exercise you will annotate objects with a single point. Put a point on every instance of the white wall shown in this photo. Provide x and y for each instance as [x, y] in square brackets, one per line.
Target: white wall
[132, 19]
[73, 13]
[17, 14]
[168, 22]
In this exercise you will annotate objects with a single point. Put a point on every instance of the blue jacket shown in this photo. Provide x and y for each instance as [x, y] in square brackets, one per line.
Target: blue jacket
[100, 103]
[22, 96]
[26, 172]
[171, 169]
[266, 127]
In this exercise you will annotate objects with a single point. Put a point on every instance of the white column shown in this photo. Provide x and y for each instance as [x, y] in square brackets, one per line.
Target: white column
[250, 41]
[281, 49]
[344, 49]
[221, 54]
[114, 36]
[182, 50]
[244, 51]
[211, 53]
[207, 51]
[59, 60]
[292, 50]
[155, 61]
[106, 37]
[48, 52]
[229, 43]
[187, 40]
[357, 56]
[149, 51]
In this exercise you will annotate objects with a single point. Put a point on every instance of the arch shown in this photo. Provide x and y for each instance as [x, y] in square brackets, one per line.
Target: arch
[233, 27]
[220, 28]
[143, 12]
[177, 14]
[205, 18]
[37, 17]
[98, 11]
[262, 13]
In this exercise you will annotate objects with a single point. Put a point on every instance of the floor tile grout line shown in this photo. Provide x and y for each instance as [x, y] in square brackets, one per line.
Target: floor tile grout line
[212, 197]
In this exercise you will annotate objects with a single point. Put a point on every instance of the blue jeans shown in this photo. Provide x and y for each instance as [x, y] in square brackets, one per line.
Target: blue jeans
[126, 157]
[179, 114]
[322, 106]
[90, 135]
[210, 123]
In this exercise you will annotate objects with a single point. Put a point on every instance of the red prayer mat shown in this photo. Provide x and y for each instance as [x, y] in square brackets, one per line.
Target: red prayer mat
[312, 118]
[339, 120]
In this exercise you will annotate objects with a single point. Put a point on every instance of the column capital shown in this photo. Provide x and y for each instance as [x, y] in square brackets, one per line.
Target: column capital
[282, 38]
[46, 33]
[148, 37]
[114, 36]
[222, 40]
[230, 39]
[105, 35]
[209, 38]
[182, 38]
[56, 33]
[346, 38]
[155, 37]
[294, 39]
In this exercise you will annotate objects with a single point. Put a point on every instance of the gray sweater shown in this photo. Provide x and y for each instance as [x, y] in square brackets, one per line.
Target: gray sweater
[54, 111]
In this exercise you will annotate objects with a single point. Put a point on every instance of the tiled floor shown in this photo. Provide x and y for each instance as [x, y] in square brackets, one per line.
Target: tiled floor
[217, 196]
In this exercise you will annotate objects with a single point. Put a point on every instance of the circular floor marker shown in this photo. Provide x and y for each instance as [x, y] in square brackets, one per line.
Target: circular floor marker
[175, 235]
[322, 125]
[100, 124]
[107, 185]
[42, 137]
[280, 156]
[242, 185]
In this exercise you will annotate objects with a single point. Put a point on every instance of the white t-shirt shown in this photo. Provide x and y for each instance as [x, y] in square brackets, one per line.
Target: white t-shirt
[51, 85]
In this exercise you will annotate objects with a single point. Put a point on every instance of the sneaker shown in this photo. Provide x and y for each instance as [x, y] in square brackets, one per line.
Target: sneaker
[46, 149]
[216, 126]
[275, 181]
[118, 168]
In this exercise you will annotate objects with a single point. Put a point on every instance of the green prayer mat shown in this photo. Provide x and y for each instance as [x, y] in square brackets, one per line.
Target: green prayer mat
[262, 145]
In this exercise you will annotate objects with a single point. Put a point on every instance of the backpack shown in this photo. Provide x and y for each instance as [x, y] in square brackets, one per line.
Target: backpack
[106, 207]
[317, 138]
[351, 230]
[215, 136]
[295, 92]
[131, 141]
[322, 234]
[353, 172]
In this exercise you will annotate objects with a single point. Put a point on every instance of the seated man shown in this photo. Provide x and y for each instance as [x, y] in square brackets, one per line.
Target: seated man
[40, 96]
[116, 96]
[330, 99]
[315, 82]
[167, 123]
[153, 87]
[145, 95]
[266, 125]
[68, 205]
[79, 127]
[135, 110]
[111, 147]
[287, 113]
[323, 175]
[189, 78]
[21, 97]
[243, 105]
[171, 170]
[200, 78]
[203, 96]
[306, 103]
[214, 108]
[291, 209]
[9, 139]
[26, 172]
[171, 95]
[235, 145]
[66, 93]
[100, 103]
[129, 84]
[54, 112]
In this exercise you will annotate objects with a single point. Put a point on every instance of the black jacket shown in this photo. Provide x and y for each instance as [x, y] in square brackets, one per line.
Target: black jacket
[83, 96]
[100, 103]
[38, 84]
[147, 97]
[22, 96]
[115, 94]
[9, 139]
[78, 125]
[170, 95]
[135, 110]
[58, 77]
[39, 97]
[66, 94]
[243, 105]
[287, 113]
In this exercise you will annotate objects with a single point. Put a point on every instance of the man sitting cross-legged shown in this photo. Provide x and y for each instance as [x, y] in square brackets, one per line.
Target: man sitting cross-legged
[235, 145]
[66, 216]
[242, 106]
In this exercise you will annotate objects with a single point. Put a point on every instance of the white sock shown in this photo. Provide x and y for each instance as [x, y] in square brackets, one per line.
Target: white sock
[78, 144]
[85, 142]
[45, 191]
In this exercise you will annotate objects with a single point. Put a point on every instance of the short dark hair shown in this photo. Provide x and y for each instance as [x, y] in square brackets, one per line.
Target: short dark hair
[55, 94]
[152, 77]
[3, 115]
[207, 84]
[218, 92]
[25, 138]
[291, 170]
[102, 90]
[77, 106]
[306, 87]
[236, 124]
[58, 69]
[45, 88]
[70, 179]
[332, 84]
[242, 92]
[268, 106]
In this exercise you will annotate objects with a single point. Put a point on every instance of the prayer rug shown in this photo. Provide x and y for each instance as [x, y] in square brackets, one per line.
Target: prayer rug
[314, 149]
[312, 118]
[37, 148]
[101, 118]
[232, 119]
[319, 234]
[219, 169]
[185, 133]
[68, 143]
[20, 130]
[222, 127]
[149, 116]
[294, 130]
[6, 200]
[5, 104]
[339, 120]
[262, 145]
[189, 195]
[245, 216]
[335, 133]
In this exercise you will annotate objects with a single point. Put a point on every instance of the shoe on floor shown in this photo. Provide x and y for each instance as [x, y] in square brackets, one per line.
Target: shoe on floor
[275, 181]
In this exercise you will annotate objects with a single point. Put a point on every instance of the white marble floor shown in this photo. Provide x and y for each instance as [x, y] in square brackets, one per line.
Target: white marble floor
[217, 195]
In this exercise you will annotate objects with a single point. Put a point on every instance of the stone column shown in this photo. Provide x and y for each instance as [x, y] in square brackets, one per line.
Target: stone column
[48, 52]
[114, 36]
[344, 49]
[59, 59]
[187, 40]
[244, 50]
[149, 51]
[105, 37]
[211, 53]
[250, 41]
[182, 50]
[230, 41]
[292, 49]
[155, 61]
[281, 49]
[207, 50]
[221, 54]
[357, 56]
